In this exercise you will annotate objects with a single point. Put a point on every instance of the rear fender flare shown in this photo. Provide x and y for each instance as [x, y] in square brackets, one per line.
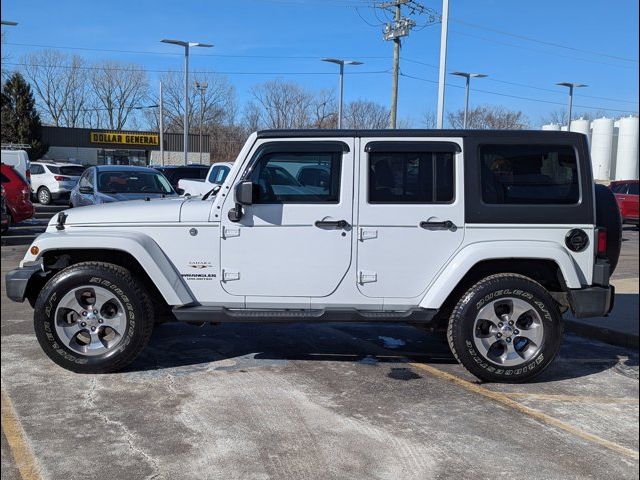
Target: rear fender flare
[451, 275]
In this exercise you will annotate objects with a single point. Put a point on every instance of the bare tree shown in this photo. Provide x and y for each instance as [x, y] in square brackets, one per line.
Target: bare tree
[60, 83]
[279, 105]
[429, 120]
[120, 90]
[366, 114]
[324, 111]
[489, 117]
[219, 103]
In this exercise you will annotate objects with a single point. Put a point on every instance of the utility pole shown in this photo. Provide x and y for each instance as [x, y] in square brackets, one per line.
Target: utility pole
[161, 127]
[202, 88]
[394, 31]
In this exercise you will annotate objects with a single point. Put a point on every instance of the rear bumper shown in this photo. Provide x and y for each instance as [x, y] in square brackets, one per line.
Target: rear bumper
[16, 281]
[596, 301]
[61, 195]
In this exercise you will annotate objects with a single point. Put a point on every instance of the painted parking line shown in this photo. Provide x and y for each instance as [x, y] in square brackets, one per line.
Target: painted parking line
[24, 459]
[574, 398]
[535, 414]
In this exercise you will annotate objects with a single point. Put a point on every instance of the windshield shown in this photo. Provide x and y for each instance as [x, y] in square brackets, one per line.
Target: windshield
[133, 182]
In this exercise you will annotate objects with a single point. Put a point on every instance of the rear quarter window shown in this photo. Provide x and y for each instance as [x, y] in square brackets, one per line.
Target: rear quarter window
[529, 175]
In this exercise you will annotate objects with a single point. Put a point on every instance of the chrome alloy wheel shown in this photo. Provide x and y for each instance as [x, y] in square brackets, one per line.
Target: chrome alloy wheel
[90, 320]
[508, 332]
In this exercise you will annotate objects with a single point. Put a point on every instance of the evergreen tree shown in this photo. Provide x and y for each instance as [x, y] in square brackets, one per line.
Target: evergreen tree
[20, 119]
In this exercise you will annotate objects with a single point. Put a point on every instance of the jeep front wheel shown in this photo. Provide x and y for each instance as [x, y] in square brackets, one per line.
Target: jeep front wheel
[506, 328]
[93, 317]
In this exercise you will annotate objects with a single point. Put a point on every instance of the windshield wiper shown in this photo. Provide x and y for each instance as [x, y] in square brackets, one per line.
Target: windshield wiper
[213, 191]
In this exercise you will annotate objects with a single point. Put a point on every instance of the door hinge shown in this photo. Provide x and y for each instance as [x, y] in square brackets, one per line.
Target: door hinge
[367, 234]
[228, 232]
[230, 275]
[365, 276]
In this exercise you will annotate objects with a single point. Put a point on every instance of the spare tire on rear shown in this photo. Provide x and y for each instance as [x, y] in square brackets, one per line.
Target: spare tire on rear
[608, 216]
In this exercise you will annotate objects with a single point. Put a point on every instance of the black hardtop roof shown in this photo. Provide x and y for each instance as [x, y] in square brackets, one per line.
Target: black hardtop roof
[519, 134]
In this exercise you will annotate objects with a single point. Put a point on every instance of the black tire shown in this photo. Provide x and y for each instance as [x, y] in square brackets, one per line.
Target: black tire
[608, 216]
[44, 196]
[124, 287]
[460, 332]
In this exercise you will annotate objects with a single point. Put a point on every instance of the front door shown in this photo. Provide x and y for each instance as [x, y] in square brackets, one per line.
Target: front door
[295, 240]
[411, 213]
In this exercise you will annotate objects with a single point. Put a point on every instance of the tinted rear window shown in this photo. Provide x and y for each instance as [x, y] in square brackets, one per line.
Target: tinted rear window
[72, 171]
[633, 189]
[529, 174]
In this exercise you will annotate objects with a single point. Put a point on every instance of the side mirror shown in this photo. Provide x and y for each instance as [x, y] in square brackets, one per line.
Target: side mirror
[86, 190]
[246, 192]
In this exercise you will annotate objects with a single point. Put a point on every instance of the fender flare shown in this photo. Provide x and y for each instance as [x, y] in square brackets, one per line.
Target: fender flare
[142, 247]
[466, 258]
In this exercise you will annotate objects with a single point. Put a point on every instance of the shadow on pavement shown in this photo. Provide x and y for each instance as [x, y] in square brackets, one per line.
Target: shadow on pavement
[239, 346]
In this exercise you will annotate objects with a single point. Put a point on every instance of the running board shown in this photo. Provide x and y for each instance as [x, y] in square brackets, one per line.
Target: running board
[203, 313]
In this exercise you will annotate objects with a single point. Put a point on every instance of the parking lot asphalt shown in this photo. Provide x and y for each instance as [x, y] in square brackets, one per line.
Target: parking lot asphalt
[314, 401]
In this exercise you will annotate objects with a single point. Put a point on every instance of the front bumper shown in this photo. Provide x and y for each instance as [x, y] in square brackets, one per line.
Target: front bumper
[16, 281]
[596, 301]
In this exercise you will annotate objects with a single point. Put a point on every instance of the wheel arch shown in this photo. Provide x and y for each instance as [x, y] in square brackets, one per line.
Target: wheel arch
[544, 262]
[133, 251]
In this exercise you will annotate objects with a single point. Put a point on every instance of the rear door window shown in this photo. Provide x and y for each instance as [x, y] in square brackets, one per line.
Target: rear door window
[529, 175]
[633, 189]
[36, 169]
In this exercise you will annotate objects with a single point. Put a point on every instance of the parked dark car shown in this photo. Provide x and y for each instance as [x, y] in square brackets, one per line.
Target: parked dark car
[116, 183]
[626, 193]
[175, 173]
[17, 195]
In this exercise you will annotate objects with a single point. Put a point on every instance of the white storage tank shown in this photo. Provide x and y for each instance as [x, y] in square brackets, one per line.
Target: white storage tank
[554, 127]
[581, 126]
[627, 155]
[564, 128]
[602, 148]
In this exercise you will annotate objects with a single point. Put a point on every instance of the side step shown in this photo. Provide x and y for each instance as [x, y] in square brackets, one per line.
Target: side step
[203, 313]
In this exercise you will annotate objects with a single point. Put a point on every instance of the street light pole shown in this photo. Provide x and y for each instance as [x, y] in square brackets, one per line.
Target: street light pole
[468, 76]
[161, 125]
[341, 63]
[186, 46]
[571, 86]
[202, 87]
[443, 63]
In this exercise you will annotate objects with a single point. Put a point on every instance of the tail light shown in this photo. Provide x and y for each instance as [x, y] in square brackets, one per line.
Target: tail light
[602, 242]
[26, 193]
[59, 178]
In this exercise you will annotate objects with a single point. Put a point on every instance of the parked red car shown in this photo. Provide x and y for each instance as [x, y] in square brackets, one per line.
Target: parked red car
[17, 195]
[626, 192]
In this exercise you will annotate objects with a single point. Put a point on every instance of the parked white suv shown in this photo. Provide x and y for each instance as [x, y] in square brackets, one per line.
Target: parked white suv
[216, 175]
[53, 180]
[490, 235]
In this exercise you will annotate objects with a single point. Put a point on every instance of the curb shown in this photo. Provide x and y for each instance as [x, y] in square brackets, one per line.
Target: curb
[612, 337]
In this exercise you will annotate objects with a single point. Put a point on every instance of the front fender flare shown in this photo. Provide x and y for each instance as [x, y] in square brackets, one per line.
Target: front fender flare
[464, 260]
[142, 247]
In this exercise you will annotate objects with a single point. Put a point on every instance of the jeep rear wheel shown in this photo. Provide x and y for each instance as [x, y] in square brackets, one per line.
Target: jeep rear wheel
[506, 328]
[93, 317]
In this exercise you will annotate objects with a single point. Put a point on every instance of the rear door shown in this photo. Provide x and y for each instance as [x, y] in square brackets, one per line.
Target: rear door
[411, 213]
[295, 240]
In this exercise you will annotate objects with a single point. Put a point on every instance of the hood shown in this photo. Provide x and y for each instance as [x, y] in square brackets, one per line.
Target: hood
[136, 211]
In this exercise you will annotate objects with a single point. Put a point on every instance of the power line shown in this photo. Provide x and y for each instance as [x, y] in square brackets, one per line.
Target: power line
[544, 42]
[203, 72]
[518, 96]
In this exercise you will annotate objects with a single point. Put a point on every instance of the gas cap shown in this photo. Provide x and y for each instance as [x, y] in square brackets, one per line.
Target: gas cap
[576, 240]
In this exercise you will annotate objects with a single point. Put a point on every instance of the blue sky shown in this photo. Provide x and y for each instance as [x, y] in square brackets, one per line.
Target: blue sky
[315, 28]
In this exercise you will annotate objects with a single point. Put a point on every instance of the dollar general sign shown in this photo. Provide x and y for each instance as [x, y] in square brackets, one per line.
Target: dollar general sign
[125, 138]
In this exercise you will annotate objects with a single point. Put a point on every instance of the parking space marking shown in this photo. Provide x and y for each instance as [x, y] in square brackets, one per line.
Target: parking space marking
[535, 414]
[25, 460]
[573, 398]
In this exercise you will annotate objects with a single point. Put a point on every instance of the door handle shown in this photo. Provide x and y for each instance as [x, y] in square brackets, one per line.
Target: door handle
[331, 224]
[445, 225]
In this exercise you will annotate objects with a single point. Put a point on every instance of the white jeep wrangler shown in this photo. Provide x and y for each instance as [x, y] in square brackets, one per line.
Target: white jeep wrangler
[489, 235]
